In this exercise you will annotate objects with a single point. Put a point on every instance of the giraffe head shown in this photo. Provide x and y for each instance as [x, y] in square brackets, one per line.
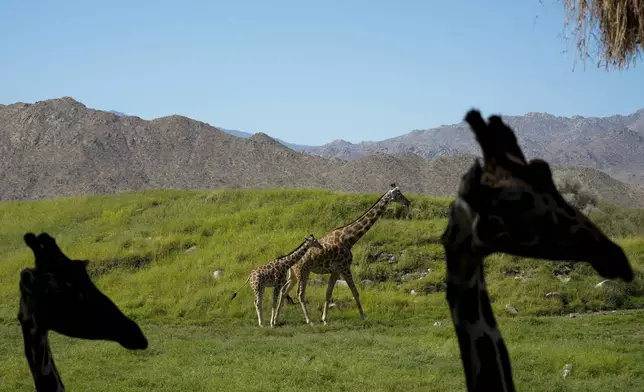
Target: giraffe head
[312, 242]
[394, 194]
[512, 206]
[59, 295]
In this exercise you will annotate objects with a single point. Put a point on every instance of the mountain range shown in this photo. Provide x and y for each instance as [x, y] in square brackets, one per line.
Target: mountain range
[612, 144]
[246, 135]
[59, 147]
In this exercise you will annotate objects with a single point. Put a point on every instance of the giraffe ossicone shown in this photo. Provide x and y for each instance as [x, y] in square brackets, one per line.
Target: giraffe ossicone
[512, 206]
[274, 274]
[335, 257]
[58, 295]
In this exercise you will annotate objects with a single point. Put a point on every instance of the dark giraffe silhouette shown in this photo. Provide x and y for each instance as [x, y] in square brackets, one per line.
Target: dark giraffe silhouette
[58, 295]
[509, 205]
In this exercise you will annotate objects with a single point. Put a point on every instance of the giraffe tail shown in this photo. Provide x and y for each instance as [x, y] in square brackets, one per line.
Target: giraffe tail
[242, 286]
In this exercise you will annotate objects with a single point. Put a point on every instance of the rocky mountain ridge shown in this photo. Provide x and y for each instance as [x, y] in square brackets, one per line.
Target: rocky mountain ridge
[59, 147]
[612, 144]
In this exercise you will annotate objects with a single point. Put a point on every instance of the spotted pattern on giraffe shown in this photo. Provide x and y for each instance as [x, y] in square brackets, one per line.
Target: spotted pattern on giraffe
[275, 274]
[335, 257]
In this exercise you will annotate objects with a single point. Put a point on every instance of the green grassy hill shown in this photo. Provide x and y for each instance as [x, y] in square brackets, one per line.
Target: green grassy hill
[154, 254]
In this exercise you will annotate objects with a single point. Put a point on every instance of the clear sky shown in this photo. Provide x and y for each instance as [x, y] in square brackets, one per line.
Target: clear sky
[308, 72]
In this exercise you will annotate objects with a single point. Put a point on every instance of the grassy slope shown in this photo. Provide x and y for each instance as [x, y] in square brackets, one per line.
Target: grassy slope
[137, 244]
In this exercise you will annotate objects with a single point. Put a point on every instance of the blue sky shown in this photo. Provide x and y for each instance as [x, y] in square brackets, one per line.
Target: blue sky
[306, 72]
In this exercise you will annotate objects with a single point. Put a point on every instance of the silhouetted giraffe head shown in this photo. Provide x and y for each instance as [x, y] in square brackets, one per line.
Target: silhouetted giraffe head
[513, 206]
[59, 295]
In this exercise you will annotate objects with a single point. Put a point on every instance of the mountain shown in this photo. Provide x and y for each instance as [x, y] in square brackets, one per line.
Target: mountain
[237, 133]
[59, 147]
[246, 135]
[612, 144]
[242, 134]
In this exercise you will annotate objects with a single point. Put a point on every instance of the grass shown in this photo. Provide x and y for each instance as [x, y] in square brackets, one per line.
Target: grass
[154, 254]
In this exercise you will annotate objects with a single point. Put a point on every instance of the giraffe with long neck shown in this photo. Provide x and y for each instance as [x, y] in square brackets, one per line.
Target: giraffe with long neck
[58, 295]
[274, 274]
[509, 205]
[335, 257]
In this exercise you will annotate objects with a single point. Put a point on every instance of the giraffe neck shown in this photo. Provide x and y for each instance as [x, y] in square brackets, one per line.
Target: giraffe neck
[295, 256]
[355, 230]
[41, 362]
[37, 351]
[483, 353]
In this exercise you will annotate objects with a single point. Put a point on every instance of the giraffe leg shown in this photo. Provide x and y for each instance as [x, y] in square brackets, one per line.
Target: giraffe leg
[280, 303]
[276, 295]
[290, 282]
[258, 305]
[329, 291]
[352, 286]
[301, 292]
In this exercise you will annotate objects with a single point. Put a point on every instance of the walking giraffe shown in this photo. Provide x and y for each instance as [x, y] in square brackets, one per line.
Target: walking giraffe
[335, 257]
[274, 274]
[512, 206]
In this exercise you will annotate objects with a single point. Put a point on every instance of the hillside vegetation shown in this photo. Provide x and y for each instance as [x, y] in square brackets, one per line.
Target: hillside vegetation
[154, 254]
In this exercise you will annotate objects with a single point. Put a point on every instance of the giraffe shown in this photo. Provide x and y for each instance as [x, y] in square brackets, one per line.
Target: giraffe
[512, 206]
[335, 257]
[58, 295]
[274, 274]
